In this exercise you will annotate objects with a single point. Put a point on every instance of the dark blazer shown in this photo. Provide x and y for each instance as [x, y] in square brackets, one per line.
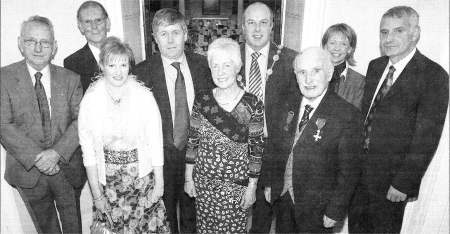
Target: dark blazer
[84, 64]
[151, 72]
[21, 124]
[280, 84]
[407, 124]
[326, 171]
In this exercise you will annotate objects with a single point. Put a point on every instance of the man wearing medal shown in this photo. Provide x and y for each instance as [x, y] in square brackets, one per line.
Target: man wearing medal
[311, 168]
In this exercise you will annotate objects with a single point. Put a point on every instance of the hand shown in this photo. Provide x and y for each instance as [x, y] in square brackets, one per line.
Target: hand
[267, 193]
[249, 197]
[46, 160]
[412, 199]
[54, 171]
[394, 195]
[189, 188]
[327, 222]
[158, 191]
[101, 204]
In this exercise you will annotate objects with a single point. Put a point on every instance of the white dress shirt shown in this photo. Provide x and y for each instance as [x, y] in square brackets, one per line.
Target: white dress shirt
[263, 59]
[171, 77]
[45, 80]
[95, 51]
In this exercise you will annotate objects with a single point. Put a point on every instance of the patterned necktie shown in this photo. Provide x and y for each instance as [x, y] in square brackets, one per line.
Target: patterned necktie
[255, 81]
[44, 109]
[305, 118]
[181, 123]
[387, 83]
[336, 78]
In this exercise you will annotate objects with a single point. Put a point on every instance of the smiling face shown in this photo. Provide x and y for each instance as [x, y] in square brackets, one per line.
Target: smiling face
[170, 40]
[116, 71]
[36, 55]
[223, 70]
[313, 75]
[398, 37]
[257, 26]
[339, 47]
[93, 25]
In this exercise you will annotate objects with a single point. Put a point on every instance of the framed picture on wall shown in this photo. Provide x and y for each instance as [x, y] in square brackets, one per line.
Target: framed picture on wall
[211, 7]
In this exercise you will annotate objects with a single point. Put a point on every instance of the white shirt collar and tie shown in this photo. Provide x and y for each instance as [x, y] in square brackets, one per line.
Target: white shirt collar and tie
[45, 80]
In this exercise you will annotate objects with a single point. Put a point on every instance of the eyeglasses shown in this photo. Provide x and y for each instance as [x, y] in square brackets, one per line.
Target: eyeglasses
[44, 44]
[88, 23]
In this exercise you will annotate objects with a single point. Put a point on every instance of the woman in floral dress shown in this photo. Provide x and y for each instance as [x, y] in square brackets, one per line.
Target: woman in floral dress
[121, 137]
[223, 159]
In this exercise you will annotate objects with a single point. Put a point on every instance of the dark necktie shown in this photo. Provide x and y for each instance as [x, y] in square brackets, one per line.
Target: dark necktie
[305, 118]
[181, 123]
[44, 109]
[387, 83]
[336, 78]
[255, 81]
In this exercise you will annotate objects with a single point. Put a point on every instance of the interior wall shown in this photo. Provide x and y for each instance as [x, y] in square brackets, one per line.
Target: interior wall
[196, 7]
[364, 17]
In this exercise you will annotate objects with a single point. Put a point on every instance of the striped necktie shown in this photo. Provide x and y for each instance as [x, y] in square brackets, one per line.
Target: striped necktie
[255, 81]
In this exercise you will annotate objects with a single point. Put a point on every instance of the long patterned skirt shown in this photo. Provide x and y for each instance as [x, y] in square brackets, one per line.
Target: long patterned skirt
[129, 196]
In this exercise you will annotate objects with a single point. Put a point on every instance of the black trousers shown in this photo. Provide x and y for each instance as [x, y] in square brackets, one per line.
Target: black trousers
[285, 215]
[174, 169]
[262, 213]
[371, 214]
[40, 202]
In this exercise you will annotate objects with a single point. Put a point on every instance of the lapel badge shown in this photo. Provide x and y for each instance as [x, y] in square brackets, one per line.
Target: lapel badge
[320, 123]
[288, 120]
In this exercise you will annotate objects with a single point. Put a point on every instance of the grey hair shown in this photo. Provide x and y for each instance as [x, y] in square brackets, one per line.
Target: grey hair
[225, 45]
[168, 16]
[403, 11]
[323, 54]
[40, 20]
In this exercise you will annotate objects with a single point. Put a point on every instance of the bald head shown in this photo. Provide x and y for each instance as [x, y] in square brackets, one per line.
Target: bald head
[258, 7]
[313, 69]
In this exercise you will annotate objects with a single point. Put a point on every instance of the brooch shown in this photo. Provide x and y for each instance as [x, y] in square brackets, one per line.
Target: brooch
[288, 120]
[320, 123]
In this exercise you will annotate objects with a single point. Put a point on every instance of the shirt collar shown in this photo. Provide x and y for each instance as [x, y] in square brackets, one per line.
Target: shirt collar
[314, 104]
[45, 71]
[344, 73]
[95, 51]
[168, 62]
[400, 65]
[264, 51]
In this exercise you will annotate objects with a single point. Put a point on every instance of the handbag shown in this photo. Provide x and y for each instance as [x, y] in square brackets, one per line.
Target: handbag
[98, 227]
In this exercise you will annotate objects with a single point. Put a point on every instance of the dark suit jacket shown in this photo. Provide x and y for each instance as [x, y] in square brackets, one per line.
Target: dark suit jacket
[84, 64]
[407, 124]
[280, 84]
[21, 124]
[151, 72]
[325, 172]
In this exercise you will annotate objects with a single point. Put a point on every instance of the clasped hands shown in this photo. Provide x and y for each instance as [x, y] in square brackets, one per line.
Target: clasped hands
[327, 222]
[47, 162]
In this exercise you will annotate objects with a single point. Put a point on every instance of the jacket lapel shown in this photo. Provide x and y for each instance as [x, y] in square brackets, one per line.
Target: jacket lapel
[25, 86]
[57, 98]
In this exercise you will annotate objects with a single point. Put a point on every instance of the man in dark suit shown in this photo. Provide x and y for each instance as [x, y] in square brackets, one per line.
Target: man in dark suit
[404, 104]
[39, 112]
[311, 168]
[162, 73]
[267, 72]
[94, 24]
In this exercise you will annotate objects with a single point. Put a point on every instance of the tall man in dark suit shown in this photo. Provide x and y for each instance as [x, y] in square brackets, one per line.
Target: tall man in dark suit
[312, 168]
[267, 73]
[94, 24]
[175, 76]
[404, 104]
[39, 112]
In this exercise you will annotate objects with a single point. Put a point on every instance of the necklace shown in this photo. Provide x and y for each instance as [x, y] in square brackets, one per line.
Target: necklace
[116, 102]
[215, 96]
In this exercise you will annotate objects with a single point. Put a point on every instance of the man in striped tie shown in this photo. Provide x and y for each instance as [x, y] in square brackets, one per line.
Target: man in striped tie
[267, 73]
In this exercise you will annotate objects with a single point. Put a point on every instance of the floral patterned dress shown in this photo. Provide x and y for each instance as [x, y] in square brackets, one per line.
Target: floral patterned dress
[128, 195]
[226, 148]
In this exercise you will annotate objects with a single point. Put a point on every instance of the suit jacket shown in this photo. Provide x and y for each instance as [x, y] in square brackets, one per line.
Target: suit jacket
[21, 124]
[407, 124]
[353, 88]
[281, 83]
[151, 72]
[83, 63]
[326, 170]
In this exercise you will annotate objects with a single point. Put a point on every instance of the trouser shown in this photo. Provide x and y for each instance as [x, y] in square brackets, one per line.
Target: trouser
[262, 213]
[40, 202]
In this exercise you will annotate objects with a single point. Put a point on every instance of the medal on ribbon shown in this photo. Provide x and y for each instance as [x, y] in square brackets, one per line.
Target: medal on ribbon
[320, 123]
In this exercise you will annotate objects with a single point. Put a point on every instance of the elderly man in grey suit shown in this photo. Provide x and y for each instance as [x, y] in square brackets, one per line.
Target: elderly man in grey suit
[39, 111]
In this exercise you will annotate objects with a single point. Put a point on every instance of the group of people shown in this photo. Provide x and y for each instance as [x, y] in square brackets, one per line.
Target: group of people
[186, 143]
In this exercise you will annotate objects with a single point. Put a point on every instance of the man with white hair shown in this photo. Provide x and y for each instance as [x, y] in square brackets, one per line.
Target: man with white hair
[311, 168]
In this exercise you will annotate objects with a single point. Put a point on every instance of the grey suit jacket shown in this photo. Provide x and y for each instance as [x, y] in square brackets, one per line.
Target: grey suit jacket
[21, 124]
